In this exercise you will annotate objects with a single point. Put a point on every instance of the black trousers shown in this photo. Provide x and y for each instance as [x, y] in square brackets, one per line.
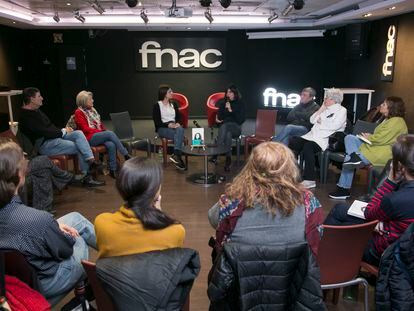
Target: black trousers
[308, 149]
[227, 132]
[338, 216]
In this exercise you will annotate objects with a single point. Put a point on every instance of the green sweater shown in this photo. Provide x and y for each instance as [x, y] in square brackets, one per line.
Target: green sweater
[382, 139]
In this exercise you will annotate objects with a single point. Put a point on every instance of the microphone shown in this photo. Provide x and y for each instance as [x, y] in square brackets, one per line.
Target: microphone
[196, 123]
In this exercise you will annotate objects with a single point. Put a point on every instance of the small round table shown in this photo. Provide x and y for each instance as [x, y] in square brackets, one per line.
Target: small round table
[206, 179]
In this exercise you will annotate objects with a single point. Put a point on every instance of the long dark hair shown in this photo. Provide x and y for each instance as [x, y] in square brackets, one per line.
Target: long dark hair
[235, 90]
[403, 154]
[396, 106]
[138, 183]
[162, 91]
[11, 162]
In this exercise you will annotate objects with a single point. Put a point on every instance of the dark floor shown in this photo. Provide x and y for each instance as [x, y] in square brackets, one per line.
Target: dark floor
[189, 203]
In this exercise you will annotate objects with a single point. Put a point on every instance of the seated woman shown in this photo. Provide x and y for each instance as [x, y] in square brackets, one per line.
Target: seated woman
[53, 248]
[330, 118]
[167, 120]
[230, 117]
[267, 203]
[378, 152]
[392, 204]
[139, 225]
[89, 122]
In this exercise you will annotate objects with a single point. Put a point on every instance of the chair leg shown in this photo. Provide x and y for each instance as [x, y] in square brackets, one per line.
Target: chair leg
[370, 179]
[365, 283]
[238, 151]
[164, 150]
[335, 296]
[246, 150]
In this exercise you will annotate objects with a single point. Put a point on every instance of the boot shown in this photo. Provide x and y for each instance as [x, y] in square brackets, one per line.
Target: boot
[113, 174]
[88, 181]
[95, 168]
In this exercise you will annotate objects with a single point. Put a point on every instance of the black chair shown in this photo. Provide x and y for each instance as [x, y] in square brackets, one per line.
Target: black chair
[122, 124]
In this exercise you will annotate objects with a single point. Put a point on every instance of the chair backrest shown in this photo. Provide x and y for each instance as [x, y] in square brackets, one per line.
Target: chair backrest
[183, 106]
[16, 265]
[122, 124]
[340, 251]
[364, 127]
[212, 109]
[103, 301]
[265, 122]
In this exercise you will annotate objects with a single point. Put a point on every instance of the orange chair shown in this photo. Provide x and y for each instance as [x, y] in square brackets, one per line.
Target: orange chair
[265, 129]
[339, 255]
[183, 107]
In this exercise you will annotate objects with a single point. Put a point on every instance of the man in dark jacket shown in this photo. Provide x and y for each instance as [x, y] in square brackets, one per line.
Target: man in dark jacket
[298, 117]
[274, 277]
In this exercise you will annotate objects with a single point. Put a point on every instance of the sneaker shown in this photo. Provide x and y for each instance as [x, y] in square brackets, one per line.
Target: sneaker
[175, 159]
[308, 184]
[89, 181]
[353, 162]
[340, 194]
[180, 165]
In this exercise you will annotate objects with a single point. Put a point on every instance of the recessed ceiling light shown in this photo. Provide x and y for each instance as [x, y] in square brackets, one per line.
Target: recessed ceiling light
[367, 15]
[68, 3]
[188, 28]
[392, 8]
[14, 22]
[139, 3]
[208, 28]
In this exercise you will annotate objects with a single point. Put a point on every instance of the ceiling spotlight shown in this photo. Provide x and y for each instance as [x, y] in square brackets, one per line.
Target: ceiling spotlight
[144, 16]
[272, 17]
[288, 9]
[392, 8]
[98, 7]
[367, 15]
[131, 3]
[298, 4]
[56, 17]
[208, 15]
[205, 3]
[79, 17]
[225, 3]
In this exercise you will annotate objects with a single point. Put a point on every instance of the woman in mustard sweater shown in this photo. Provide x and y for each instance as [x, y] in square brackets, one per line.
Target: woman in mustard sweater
[139, 225]
[378, 151]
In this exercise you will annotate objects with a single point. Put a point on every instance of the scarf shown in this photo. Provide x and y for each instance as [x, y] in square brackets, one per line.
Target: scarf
[93, 117]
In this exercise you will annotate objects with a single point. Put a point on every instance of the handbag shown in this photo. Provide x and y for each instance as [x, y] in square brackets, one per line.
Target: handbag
[336, 142]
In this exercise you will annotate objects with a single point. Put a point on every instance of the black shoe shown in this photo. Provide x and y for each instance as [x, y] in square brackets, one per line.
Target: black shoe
[113, 174]
[227, 164]
[180, 165]
[175, 158]
[127, 157]
[340, 194]
[96, 168]
[213, 160]
[88, 181]
[354, 161]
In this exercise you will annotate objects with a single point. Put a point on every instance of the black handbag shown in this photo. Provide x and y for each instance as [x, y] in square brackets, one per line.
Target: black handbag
[336, 142]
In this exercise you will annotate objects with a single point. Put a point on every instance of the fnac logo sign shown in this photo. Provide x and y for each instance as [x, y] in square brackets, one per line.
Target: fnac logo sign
[181, 54]
[388, 65]
[273, 98]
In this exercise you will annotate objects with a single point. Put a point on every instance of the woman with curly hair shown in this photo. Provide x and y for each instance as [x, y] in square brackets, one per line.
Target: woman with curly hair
[266, 203]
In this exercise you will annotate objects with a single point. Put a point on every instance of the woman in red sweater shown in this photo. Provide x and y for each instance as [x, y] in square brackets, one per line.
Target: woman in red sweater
[89, 122]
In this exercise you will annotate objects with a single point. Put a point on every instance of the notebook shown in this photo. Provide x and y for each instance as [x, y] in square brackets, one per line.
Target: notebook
[363, 139]
[357, 209]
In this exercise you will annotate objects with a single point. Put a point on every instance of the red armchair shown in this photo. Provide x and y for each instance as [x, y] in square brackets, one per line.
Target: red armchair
[211, 107]
[182, 107]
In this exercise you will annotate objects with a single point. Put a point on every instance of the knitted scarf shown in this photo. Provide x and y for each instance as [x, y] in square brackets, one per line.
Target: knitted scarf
[93, 117]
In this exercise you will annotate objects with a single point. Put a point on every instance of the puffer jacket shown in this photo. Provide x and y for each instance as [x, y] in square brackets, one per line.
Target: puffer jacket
[157, 280]
[395, 285]
[259, 277]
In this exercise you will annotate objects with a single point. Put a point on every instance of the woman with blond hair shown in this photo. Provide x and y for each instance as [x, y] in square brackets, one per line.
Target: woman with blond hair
[266, 202]
[88, 120]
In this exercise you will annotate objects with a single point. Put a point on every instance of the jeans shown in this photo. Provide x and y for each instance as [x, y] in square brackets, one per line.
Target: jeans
[177, 135]
[352, 144]
[72, 143]
[112, 144]
[70, 270]
[289, 131]
[309, 149]
[227, 132]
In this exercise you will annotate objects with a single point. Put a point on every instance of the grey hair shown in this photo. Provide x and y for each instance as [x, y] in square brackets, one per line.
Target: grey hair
[82, 98]
[335, 94]
[310, 90]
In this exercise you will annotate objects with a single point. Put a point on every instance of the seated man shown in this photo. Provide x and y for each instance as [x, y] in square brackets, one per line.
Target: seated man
[299, 117]
[53, 248]
[51, 140]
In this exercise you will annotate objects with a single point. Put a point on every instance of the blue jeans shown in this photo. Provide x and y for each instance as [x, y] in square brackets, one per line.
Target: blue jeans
[352, 144]
[70, 271]
[112, 144]
[175, 134]
[289, 131]
[72, 143]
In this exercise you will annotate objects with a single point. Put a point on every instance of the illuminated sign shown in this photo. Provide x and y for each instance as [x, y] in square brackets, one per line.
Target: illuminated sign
[273, 98]
[388, 66]
[180, 54]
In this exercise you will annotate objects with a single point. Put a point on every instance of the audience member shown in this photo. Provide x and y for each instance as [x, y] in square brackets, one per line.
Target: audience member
[53, 248]
[392, 204]
[167, 120]
[230, 117]
[89, 122]
[50, 140]
[330, 118]
[139, 225]
[378, 151]
[299, 117]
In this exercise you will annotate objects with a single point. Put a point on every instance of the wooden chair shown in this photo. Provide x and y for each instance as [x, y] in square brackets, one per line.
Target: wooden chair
[265, 129]
[339, 256]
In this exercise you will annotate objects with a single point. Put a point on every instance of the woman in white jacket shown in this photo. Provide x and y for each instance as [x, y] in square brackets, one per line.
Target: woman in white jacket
[330, 118]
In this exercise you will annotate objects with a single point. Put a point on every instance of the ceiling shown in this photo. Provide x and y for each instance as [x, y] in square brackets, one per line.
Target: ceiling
[241, 14]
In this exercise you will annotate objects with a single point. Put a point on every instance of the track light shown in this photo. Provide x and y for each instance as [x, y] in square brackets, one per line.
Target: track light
[56, 17]
[288, 9]
[208, 15]
[272, 17]
[144, 16]
[225, 3]
[132, 3]
[98, 7]
[78, 16]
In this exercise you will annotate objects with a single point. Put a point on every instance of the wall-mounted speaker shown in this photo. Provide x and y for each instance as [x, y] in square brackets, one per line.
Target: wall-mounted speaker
[356, 36]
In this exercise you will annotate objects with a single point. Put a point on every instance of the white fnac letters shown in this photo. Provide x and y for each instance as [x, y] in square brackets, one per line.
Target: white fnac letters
[272, 98]
[186, 58]
[388, 62]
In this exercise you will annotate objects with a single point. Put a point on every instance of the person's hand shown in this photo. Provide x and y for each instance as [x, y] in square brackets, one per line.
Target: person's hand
[69, 129]
[218, 120]
[157, 202]
[228, 107]
[365, 135]
[177, 125]
[69, 230]
[171, 125]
